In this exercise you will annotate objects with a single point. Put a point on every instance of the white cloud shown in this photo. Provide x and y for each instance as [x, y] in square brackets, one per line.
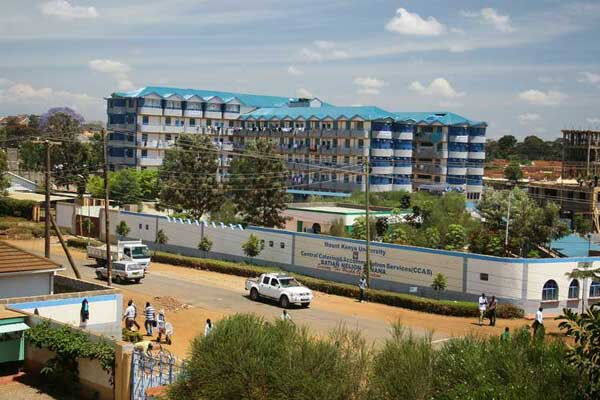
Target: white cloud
[593, 120]
[589, 77]
[294, 71]
[369, 85]
[323, 50]
[4, 82]
[528, 117]
[541, 98]
[438, 87]
[492, 17]
[407, 23]
[303, 93]
[116, 69]
[450, 104]
[550, 79]
[64, 9]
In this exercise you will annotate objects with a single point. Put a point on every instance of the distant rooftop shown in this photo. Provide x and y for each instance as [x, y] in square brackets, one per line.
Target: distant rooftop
[573, 246]
[251, 100]
[14, 259]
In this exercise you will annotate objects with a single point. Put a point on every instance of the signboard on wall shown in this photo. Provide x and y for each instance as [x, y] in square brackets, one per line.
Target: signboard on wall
[387, 263]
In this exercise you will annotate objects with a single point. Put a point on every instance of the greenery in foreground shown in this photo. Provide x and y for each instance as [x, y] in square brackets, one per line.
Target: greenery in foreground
[246, 357]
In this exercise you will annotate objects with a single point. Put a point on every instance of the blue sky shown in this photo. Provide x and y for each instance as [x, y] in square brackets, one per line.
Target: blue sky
[524, 67]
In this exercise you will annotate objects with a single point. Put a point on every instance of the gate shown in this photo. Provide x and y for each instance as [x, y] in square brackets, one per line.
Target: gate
[152, 370]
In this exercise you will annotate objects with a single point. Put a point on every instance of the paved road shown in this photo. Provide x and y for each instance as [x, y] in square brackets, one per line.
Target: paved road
[220, 299]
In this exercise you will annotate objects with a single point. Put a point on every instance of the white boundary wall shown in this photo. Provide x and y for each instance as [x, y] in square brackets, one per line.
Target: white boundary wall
[399, 268]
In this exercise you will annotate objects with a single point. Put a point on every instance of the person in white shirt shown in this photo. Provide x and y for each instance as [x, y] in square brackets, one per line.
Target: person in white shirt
[482, 307]
[129, 315]
[208, 327]
[538, 322]
[362, 286]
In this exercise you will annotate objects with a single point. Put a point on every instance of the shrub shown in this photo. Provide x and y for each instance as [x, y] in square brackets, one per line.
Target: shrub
[205, 244]
[16, 208]
[80, 243]
[245, 357]
[253, 246]
[131, 336]
[444, 307]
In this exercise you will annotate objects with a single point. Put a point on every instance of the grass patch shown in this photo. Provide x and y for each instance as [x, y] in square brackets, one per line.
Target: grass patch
[21, 228]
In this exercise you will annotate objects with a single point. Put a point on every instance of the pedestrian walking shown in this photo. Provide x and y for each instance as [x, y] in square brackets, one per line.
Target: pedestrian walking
[208, 327]
[362, 286]
[84, 314]
[492, 310]
[505, 336]
[285, 316]
[482, 307]
[129, 315]
[161, 323]
[538, 322]
[150, 320]
[135, 315]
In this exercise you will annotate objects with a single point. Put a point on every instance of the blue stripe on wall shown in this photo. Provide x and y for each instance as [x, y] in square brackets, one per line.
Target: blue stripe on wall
[63, 302]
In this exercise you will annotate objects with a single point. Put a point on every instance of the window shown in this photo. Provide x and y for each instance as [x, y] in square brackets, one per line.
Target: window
[348, 125]
[346, 160]
[574, 289]
[266, 280]
[274, 282]
[194, 106]
[595, 289]
[192, 122]
[145, 120]
[140, 226]
[168, 120]
[359, 125]
[147, 227]
[347, 143]
[550, 291]
[173, 104]
[144, 153]
[232, 108]
[361, 143]
[346, 178]
[484, 277]
[213, 107]
[208, 122]
[282, 245]
[359, 179]
[270, 243]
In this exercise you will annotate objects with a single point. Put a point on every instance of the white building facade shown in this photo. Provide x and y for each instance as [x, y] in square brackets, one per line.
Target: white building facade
[325, 146]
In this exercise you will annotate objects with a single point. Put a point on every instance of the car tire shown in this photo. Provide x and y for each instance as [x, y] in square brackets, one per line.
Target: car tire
[117, 279]
[305, 305]
[254, 294]
[137, 280]
[99, 275]
[284, 302]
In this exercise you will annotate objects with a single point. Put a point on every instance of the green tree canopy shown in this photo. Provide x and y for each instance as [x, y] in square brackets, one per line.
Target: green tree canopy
[123, 186]
[4, 182]
[456, 237]
[258, 185]
[188, 176]
[513, 172]
[253, 246]
[359, 228]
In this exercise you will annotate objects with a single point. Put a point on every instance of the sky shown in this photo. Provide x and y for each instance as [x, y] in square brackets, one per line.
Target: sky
[525, 67]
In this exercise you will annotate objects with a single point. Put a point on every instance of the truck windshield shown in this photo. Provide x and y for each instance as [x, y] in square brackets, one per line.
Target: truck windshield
[140, 252]
[288, 282]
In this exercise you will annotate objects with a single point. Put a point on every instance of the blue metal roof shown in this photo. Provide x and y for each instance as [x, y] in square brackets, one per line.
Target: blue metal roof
[441, 117]
[573, 246]
[364, 112]
[252, 100]
[318, 193]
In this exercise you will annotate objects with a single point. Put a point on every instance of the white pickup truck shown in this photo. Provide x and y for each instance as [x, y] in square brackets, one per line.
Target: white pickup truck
[280, 287]
[124, 250]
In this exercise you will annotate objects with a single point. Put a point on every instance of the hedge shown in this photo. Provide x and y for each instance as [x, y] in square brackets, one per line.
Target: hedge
[444, 307]
[16, 208]
[81, 243]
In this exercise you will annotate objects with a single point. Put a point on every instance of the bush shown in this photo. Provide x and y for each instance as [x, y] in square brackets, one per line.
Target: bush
[16, 208]
[245, 357]
[80, 243]
[444, 307]
[131, 336]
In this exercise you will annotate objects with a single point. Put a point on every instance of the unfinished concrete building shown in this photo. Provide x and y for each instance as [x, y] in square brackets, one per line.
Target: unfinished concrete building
[581, 154]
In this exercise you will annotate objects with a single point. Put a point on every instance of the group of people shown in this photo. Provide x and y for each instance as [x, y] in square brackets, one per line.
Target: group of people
[487, 308]
[151, 320]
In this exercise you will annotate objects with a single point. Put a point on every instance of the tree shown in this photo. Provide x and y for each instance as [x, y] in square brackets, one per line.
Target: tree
[439, 284]
[456, 237]
[531, 225]
[13, 133]
[532, 148]
[123, 186]
[253, 246]
[483, 241]
[584, 355]
[506, 145]
[582, 225]
[205, 244]
[226, 213]
[188, 176]
[161, 237]
[72, 161]
[513, 172]
[4, 182]
[338, 228]
[258, 181]
[122, 229]
[359, 228]
[149, 184]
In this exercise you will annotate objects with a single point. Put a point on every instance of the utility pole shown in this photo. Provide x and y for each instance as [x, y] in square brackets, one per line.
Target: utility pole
[368, 220]
[47, 202]
[106, 209]
[507, 221]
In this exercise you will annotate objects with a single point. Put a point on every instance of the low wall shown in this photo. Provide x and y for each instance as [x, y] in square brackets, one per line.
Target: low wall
[105, 306]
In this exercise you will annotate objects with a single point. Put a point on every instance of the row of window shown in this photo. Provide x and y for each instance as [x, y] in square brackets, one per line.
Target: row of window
[187, 105]
[550, 290]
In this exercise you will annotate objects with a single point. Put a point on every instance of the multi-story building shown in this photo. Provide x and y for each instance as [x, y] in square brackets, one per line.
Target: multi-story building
[325, 146]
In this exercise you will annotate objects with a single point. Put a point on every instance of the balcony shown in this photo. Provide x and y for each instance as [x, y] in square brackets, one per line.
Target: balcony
[458, 139]
[360, 133]
[173, 112]
[382, 152]
[173, 128]
[150, 162]
[151, 128]
[403, 152]
[387, 170]
[193, 129]
[193, 113]
[117, 110]
[213, 114]
[403, 170]
[405, 136]
[150, 110]
[381, 134]
[475, 171]
[476, 155]
[457, 171]
[477, 139]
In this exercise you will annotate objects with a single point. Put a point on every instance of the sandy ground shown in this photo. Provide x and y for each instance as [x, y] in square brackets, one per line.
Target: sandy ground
[189, 322]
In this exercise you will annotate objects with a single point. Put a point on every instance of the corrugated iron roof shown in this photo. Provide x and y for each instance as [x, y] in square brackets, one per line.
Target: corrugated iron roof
[14, 259]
